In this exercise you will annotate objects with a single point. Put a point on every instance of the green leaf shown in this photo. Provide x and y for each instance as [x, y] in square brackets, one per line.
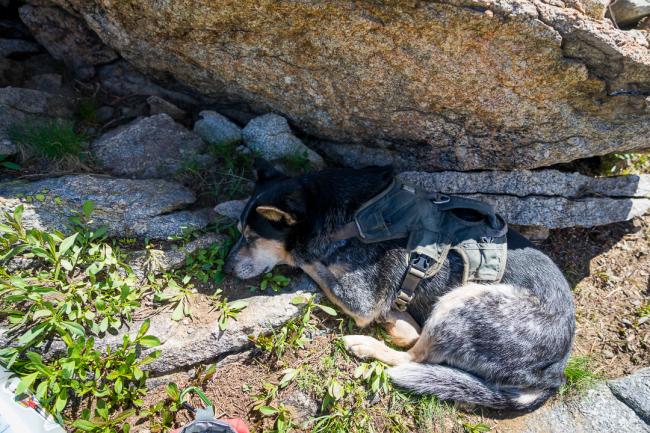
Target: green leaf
[87, 208]
[74, 328]
[149, 341]
[67, 369]
[118, 385]
[300, 299]
[61, 400]
[143, 328]
[31, 334]
[328, 310]
[267, 410]
[84, 425]
[178, 312]
[11, 165]
[67, 243]
[137, 373]
[173, 392]
[38, 314]
[26, 382]
[41, 391]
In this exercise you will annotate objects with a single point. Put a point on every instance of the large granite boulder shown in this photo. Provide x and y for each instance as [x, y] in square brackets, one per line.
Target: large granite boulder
[449, 84]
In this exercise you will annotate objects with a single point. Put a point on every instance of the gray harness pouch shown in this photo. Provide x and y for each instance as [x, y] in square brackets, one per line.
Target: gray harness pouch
[434, 225]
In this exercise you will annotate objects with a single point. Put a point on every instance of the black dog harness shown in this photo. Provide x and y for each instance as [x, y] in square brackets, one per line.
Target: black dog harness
[434, 224]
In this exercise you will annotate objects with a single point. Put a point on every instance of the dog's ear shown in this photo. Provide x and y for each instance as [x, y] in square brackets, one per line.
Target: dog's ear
[265, 171]
[275, 214]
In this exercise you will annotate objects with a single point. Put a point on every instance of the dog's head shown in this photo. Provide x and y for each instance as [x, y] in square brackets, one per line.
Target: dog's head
[276, 209]
[285, 214]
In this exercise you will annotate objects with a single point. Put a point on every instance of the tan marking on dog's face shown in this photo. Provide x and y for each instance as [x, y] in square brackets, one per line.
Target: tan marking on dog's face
[258, 255]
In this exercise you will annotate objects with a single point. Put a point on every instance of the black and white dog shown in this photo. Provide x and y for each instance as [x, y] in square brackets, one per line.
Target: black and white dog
[502, 345]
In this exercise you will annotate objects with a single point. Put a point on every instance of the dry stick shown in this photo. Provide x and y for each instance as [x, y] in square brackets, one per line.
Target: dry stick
[611, 14]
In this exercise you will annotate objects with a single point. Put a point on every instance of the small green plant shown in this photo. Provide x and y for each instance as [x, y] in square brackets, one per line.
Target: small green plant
[162, 414]
[55, 139]
[283, 422]
[293, 333]
[374, 374]
[297, 161]
[644, 310]
[87, 110]
[206, 264]
[178, 296]
[579, 376]
[625, 163]
[476, 428]
[226, 310]
[273, 281]
[77, 287]
[5, 163]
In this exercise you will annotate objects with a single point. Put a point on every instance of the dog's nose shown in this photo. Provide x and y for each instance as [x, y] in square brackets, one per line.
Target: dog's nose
[229, 265]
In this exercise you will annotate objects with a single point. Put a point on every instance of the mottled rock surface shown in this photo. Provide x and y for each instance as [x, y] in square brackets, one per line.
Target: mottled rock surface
[634, 391]
[158, 105]
[598, 411]
[157, 261]
[154, 146]
[546, 198]
[143, 208]
[66, 37]
[215, 128]
[187, 343]
[17, 46]
[271, 137]
[449, 85]
[629, 12]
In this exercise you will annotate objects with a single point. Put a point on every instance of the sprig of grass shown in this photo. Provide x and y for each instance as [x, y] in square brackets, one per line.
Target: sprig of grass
[579, 376]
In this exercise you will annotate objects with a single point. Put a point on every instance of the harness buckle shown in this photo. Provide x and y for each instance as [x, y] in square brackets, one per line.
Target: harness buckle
[420, 263]
[402, 300]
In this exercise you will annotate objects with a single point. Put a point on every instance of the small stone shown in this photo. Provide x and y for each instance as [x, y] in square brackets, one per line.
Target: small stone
[629, 12]
[7, 147]
[10, 47]
[217, 129]
[301, 406]
[104, 113]
[158, 105]
[231, 209]
[154, 146]
[50, 83]
[271, 136]
[608, 354]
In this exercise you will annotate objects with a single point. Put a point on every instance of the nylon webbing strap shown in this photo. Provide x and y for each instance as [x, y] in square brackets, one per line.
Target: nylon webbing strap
[419, 265]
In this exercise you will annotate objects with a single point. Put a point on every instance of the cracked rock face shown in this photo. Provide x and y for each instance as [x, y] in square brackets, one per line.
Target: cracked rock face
[546, 198]
[142, 208]
[452, 85]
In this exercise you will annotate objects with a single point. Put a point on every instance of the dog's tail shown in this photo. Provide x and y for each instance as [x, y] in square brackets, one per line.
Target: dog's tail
[448, 383]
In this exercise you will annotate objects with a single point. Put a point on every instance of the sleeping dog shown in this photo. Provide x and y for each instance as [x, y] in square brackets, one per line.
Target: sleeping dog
[501, 345]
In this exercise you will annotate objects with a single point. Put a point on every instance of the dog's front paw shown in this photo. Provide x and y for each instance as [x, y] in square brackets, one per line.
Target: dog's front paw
[361, 346]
